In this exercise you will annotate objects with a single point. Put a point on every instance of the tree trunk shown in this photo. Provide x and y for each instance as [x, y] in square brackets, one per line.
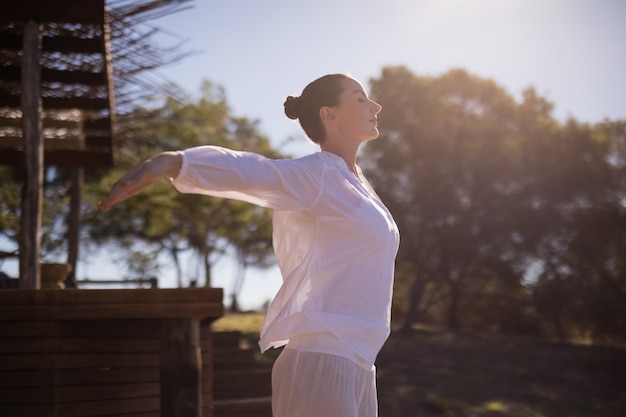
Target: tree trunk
[417, 292]
[453, 308]
[207, 269]
[32, 196]
[73, 223]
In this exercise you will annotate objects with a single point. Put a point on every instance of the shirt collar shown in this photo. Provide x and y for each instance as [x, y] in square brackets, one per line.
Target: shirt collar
[334, 160]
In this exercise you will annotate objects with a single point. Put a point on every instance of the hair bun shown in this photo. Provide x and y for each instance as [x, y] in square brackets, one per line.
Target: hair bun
[292, 107]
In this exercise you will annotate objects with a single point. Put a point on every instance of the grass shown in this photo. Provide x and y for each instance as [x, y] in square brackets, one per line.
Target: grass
[429, 373]
[246, 323]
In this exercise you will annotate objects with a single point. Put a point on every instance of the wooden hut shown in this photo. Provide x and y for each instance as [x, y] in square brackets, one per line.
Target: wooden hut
[83, 352]
[56, 103]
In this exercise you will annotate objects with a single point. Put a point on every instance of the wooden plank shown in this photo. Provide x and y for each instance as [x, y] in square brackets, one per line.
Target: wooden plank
[107, 407]
[77, 361]
[116, 296]
[106, 392]
[61, 11]
[110, 329]
[27, 362]
[125, 329]
[98, 124]
[72, 44]
[26, 395]
[105, 311]
[77, 345]
[108, 360]
[90, 345]
[86, 103]
[70, 377]
[69, 142]
[74, 77]
[59, 43]
[77, 377]
[62, 158]
[26, 329]
[27, 345]
[48, 122]
[26, 410]
[26, 378]
[13, 73]
[156, 413]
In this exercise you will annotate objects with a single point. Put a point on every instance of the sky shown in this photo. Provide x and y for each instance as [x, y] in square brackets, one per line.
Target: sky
[572, 51]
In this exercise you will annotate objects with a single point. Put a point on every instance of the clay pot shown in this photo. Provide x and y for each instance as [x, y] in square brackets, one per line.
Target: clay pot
[53, 275]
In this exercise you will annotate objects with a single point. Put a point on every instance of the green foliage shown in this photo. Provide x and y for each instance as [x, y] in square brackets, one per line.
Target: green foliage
[54, 210]
[167, 222]
[10, 200]
[484, 188]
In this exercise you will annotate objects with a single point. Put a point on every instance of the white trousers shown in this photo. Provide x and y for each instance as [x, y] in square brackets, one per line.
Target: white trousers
[311, 384]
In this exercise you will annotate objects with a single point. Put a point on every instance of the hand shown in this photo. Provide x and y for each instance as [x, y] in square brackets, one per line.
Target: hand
[140, 177]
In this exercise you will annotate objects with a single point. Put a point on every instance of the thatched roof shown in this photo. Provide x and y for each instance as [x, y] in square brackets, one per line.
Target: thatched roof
[76, 81]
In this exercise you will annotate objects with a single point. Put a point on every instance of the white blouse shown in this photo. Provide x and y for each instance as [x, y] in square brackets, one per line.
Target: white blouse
[334, 240]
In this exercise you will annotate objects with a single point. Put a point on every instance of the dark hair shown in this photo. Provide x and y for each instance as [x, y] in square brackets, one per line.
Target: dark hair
[324, 91]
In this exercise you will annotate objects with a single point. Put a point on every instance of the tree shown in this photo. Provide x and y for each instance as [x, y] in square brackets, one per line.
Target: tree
[485, 190]
[165, 221]
[582, 285]
[444, 164]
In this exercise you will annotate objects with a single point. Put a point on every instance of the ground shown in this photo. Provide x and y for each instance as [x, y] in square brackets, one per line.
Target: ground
[430, 373]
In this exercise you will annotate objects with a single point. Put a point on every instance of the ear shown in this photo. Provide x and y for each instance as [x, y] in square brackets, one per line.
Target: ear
[327, 114]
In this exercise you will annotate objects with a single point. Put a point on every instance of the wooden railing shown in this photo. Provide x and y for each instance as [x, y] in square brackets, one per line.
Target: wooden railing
[88, 353]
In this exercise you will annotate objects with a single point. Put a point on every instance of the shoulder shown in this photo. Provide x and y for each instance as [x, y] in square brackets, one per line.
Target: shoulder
[313, 163]
[319, 161]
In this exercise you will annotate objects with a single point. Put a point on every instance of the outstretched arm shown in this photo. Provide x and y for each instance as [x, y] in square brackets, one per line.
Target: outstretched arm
[140, 177]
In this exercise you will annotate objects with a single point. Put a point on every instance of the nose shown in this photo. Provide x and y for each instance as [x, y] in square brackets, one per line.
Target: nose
[377, 107]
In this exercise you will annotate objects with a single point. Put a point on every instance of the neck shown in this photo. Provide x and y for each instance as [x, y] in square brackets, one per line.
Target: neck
[344, 150]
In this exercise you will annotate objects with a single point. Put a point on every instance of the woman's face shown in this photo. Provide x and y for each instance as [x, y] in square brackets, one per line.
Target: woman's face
[356, 113]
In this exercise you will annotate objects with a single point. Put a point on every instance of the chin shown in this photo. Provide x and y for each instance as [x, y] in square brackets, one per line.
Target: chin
[370, 138]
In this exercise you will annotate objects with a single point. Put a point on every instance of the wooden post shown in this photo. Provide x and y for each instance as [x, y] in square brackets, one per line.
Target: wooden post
[32, 195]
[181, 368]
[73, 223]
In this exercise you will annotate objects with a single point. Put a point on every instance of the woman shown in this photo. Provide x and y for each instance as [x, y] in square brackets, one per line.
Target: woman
[335, 243]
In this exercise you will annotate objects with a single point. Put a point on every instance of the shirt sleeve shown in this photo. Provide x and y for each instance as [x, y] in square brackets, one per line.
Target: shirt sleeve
[280, 184]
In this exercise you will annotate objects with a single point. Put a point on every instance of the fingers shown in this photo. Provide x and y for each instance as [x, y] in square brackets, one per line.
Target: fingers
[131, 183]
[116, 195]
[142, 176]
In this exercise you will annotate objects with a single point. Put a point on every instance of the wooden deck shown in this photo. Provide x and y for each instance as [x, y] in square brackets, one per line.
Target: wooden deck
[84, 353]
